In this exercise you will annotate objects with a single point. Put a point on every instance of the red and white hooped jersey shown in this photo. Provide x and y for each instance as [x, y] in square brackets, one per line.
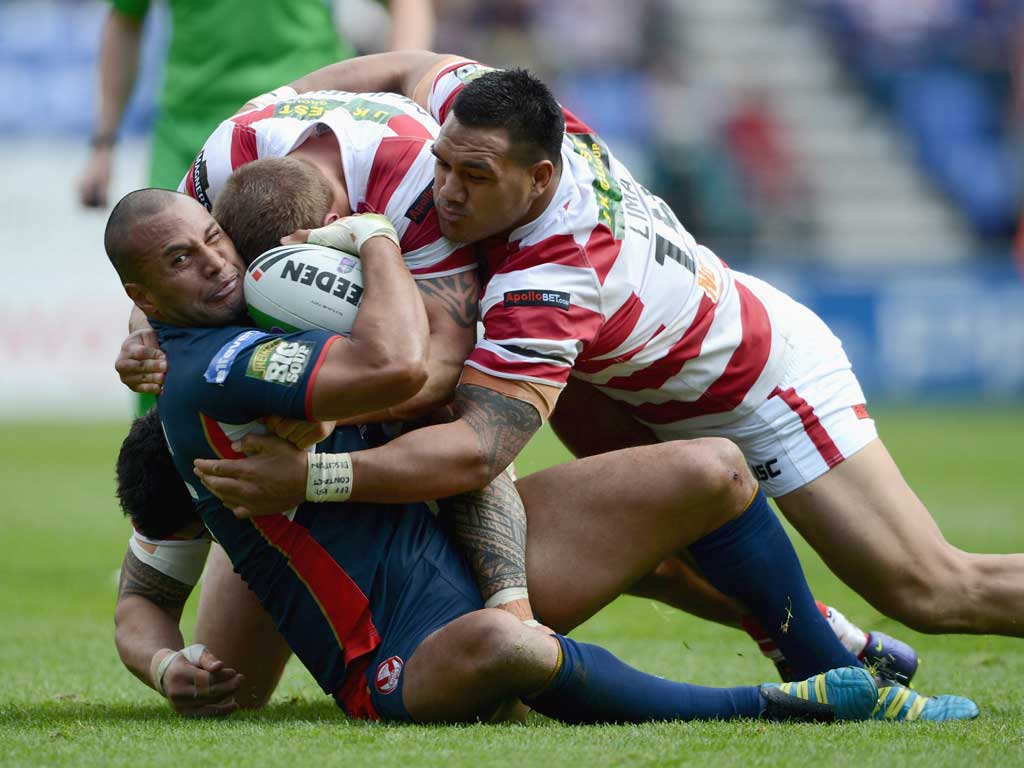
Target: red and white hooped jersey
[385, 144]
[606, 285]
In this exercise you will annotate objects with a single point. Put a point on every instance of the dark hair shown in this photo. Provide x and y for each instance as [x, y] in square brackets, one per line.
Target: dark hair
[129, 211]
[517, 101]
[267, 199]
[149, 487]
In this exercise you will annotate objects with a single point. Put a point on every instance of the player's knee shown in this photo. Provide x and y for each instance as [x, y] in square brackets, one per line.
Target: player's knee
[721, 473]
[491, 645]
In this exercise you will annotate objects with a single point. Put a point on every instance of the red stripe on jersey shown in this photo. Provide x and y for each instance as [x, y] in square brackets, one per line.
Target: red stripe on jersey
[392, 161]
[542, 322]
[442, 113]
[741, 372]
[217, 439]
[410, 127]
[312, 376]
[688, 347]
[255, 116]
[557, 249]
[812, 425]
[424, 233]
[243, 146]
[339, 598]
[461, 260]
[616, 330]
[573, 124]
[556, 374]
[354, 695]
[595, 366]
[602, 250]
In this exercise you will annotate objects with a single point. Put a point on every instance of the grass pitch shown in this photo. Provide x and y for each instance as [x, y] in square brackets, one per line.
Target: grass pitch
[65, 699]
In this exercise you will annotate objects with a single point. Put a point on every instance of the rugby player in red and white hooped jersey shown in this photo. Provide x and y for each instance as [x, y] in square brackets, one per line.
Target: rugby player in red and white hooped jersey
[596, 297]
[373, 151]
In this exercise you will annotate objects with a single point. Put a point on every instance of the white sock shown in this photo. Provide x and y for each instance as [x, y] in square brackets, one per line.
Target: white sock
[853, 638]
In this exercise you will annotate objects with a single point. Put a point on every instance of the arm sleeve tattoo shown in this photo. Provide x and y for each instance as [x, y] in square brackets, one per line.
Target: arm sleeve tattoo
[457, 294]
[141, 580]
[503, 425]
[490, 526]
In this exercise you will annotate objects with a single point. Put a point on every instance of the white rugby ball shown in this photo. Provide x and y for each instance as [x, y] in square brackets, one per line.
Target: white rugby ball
[304, 287]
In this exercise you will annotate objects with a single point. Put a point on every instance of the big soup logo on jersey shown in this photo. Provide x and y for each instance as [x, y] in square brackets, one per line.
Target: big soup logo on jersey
[280, 361]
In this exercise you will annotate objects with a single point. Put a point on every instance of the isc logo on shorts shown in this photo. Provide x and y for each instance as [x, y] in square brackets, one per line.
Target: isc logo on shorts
[388, 673]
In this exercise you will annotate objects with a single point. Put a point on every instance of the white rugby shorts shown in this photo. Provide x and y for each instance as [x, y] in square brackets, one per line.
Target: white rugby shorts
[814, 418]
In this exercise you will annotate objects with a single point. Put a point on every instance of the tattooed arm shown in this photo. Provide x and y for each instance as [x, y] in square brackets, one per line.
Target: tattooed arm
[434, 462]
[149, 606]
[490, 527]
[451, 304]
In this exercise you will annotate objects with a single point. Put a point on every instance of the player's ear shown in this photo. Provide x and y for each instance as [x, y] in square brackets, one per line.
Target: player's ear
[541, 174]
[329, 218]
[140, 296]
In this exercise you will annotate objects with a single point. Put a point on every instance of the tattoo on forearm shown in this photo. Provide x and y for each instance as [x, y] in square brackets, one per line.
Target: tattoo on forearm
[490, 526]
[166, 593]
[458, 295]
[502, 424]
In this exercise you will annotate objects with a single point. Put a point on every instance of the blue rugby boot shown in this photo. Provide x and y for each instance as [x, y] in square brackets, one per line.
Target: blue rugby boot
[897, 702]
[890, 658]
[848, 693]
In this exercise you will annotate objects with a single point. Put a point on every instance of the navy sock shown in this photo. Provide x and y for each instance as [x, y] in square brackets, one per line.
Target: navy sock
[592, 686]
[752, 559]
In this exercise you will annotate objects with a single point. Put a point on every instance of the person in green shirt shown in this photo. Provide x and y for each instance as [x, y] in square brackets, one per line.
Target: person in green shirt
[221, 54]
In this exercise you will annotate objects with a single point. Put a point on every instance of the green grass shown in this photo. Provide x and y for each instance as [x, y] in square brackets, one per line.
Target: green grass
[65, 699]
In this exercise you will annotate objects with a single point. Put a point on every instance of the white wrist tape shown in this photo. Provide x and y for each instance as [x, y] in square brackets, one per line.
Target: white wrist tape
[507, 595]
[192, 653]
[272, 97]
[328, 476]
[351, 233]
[531, 622]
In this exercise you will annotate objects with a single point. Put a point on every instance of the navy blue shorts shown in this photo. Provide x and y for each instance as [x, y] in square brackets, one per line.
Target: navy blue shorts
[439, 589]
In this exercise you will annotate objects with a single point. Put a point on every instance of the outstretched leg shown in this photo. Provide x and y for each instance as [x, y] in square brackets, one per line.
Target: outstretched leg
[876, 535]
[466, 669]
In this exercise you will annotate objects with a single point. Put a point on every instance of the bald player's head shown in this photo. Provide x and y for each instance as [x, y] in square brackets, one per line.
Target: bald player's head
[173, 259]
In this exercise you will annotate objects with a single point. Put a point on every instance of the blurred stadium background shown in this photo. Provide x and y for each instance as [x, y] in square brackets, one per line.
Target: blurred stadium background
[865, 155]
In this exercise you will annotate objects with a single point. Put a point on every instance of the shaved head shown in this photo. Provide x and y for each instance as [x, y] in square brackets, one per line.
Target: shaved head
[119, 238]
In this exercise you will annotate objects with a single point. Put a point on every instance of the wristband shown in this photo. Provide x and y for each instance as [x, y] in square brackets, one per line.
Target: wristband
[271, 97]
[103, 140]
[507, 595]
[328, 477]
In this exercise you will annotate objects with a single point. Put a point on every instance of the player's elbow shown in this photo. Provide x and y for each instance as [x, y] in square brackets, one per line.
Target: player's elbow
[402, 376]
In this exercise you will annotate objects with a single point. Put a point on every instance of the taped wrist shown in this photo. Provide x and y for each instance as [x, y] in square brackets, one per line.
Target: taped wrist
[351, 233]
[192, 653]
[328, 477]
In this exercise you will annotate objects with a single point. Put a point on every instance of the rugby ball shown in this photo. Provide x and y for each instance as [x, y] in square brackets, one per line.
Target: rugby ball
[304, 287]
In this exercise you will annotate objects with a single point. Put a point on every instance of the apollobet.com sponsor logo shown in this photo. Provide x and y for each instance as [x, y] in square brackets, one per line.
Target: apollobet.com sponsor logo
[532, 297]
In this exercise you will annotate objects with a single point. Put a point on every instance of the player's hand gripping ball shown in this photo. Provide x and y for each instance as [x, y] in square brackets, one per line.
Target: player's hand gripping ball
[317, 284]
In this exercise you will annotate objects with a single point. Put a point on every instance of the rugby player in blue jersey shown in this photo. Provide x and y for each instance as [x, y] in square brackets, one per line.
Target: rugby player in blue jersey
[374, 599]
